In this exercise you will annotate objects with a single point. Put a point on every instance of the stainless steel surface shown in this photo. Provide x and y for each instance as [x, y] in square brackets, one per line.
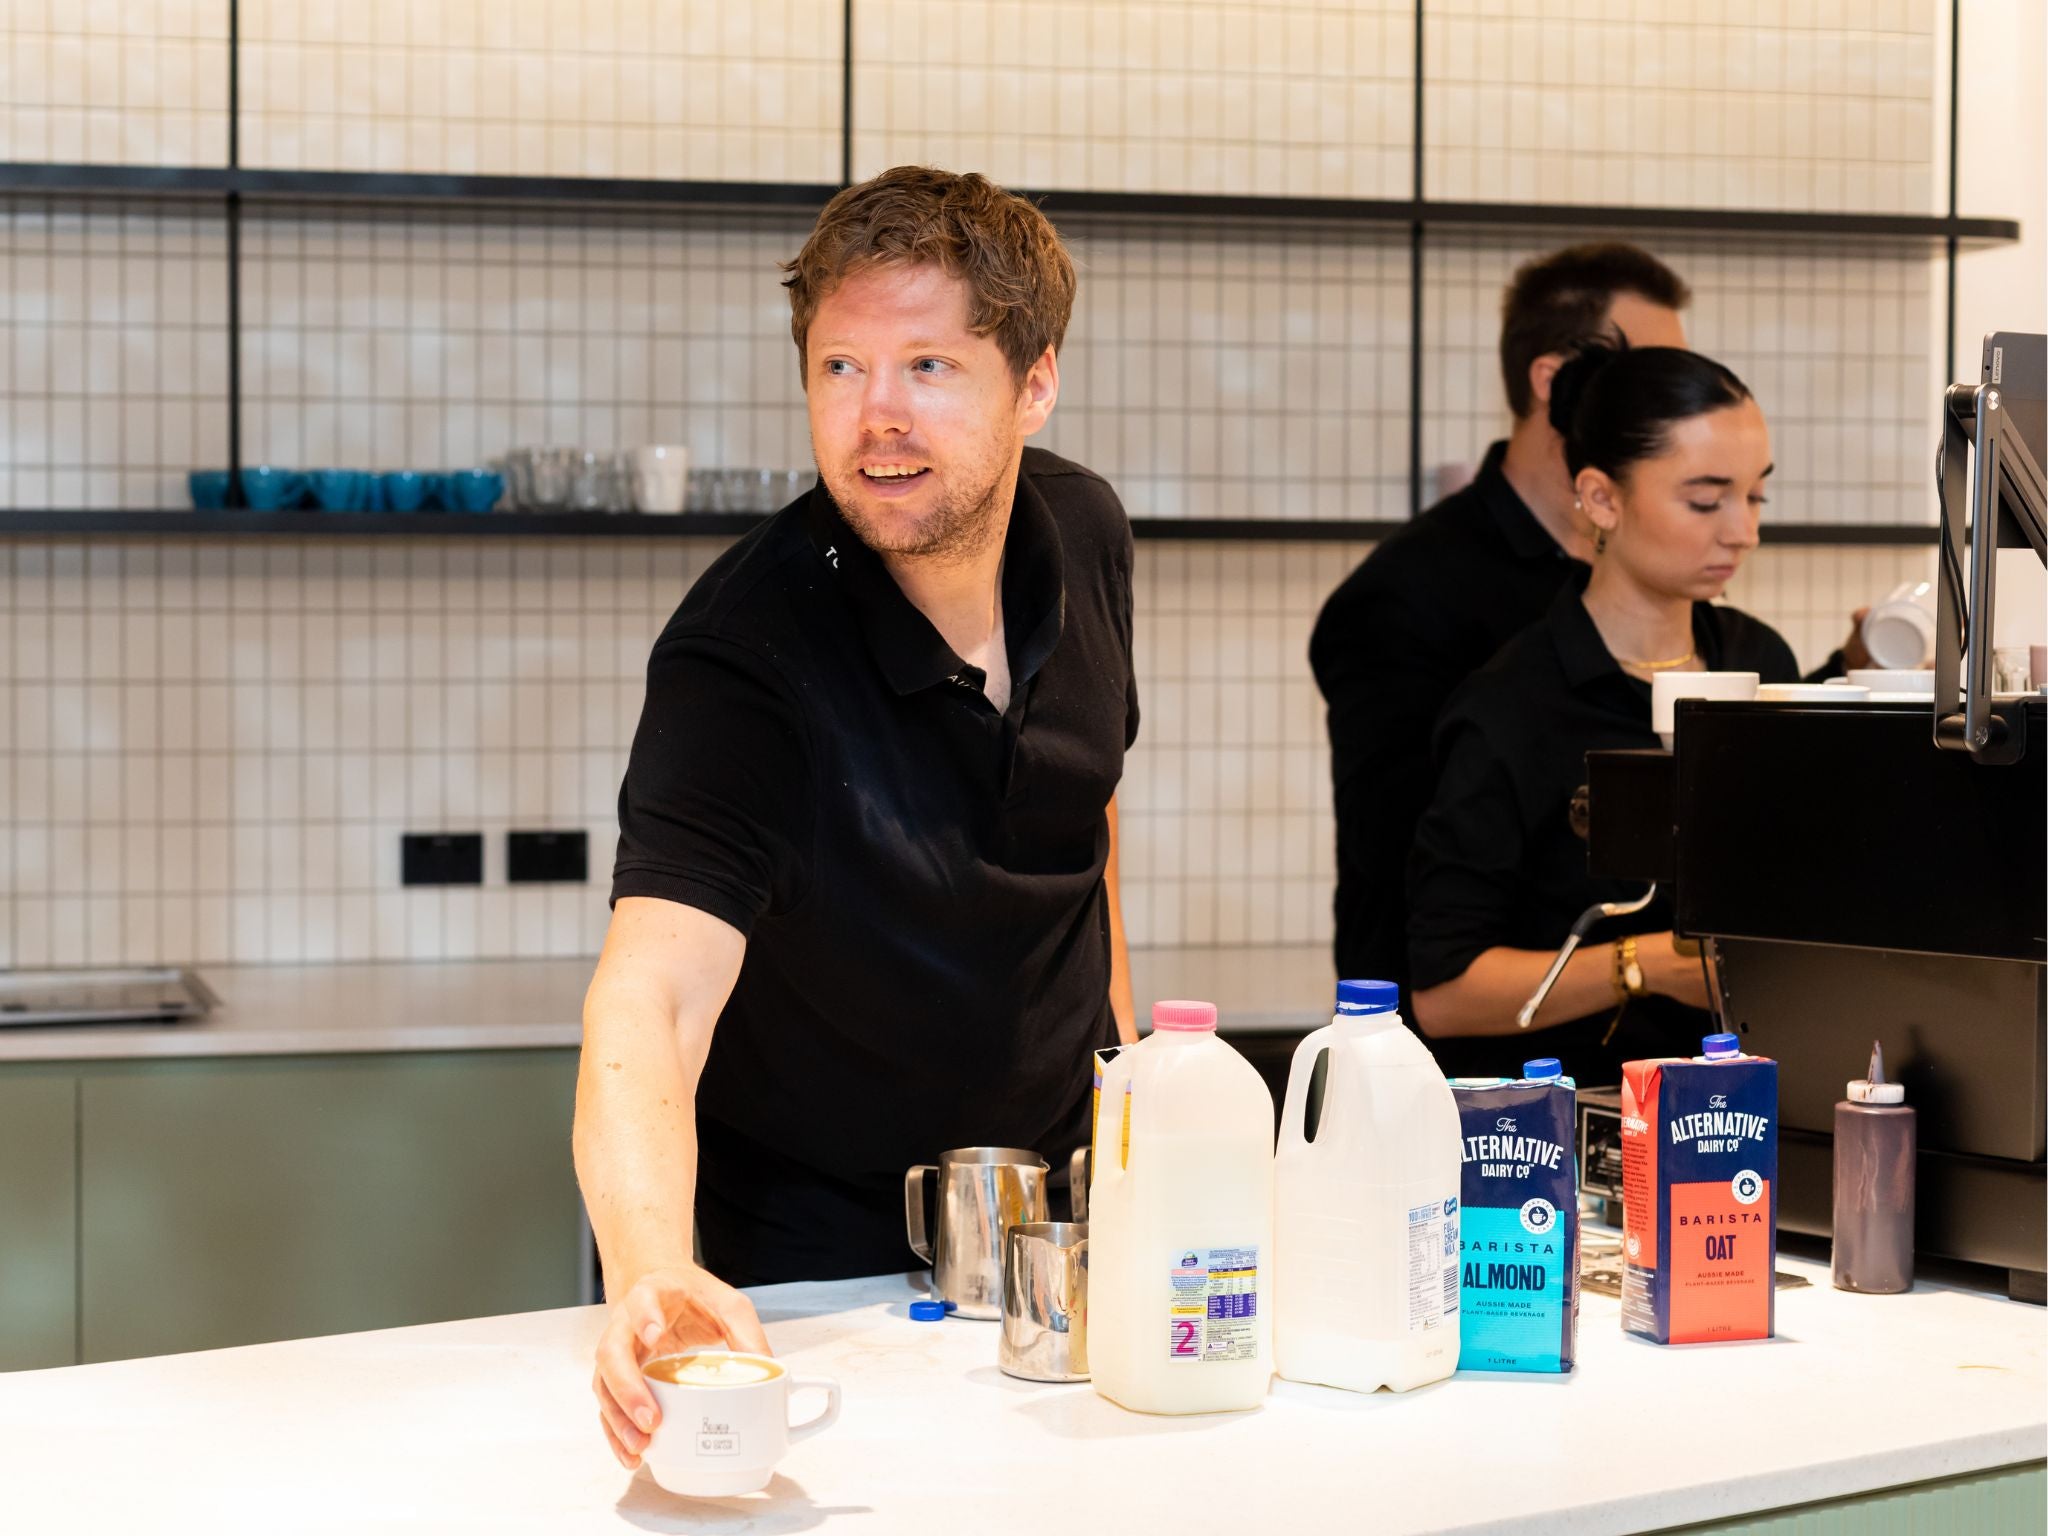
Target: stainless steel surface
[983, 1192]
[102, 997]
[1045, 1302]
[1580, 929]
[1077, 1183]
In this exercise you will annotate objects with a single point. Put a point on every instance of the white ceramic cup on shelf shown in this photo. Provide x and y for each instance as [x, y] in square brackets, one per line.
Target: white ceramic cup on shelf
[1899, 629]
[1667, 688]
[1879, 680]
[661, 478]
[1811, 693]
[725, 1420]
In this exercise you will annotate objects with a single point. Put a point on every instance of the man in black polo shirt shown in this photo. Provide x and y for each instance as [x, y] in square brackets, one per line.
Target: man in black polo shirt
[1435, 600]
[864, 907]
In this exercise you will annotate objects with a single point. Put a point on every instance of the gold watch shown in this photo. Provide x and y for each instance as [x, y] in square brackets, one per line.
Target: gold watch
[1628, 971]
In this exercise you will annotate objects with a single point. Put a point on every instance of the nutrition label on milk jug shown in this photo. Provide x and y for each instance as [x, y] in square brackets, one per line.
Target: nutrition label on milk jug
[1432, 1265]
[1215, 1307]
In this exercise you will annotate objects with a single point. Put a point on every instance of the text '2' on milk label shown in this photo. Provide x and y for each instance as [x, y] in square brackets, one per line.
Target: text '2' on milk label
[1519, 1250]
[1699, 1174]
[1214, 1311]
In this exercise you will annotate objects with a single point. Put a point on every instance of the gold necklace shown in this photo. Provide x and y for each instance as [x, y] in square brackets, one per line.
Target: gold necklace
[1657, 666]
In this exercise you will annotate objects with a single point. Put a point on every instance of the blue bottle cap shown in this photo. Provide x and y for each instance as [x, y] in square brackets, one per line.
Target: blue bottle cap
[1543, 1068]
[927, 1311]
[1721, 1045]
[1356, 997]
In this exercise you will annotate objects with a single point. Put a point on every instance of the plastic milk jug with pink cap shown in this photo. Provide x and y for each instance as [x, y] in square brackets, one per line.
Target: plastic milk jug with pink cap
[1180, 1225]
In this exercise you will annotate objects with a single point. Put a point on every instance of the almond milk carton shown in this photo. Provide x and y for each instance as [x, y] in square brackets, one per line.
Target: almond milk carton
[1699, 1177]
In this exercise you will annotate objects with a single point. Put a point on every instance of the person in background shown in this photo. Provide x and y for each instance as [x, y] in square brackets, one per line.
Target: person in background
[1669, 457]
[865, 901]
[1435, 600]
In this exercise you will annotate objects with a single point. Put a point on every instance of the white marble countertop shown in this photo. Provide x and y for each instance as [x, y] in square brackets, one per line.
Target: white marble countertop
[488, 1425]
[269, 1010]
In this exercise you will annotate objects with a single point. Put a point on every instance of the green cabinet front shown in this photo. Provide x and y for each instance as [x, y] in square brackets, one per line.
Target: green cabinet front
[241, 1201]
[38, 1220]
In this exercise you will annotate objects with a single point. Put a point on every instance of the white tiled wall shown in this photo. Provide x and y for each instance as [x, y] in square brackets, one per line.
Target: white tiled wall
[1807, 104]
[134, 82]
[1262, 374]
[694, 90]
[1295, 98]
[212, 748]
[113, 380]
[418, 339]
[1837, 345]
[208, 750]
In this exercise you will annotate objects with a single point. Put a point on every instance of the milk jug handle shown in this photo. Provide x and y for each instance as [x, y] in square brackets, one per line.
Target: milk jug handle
[1295, 1110]
[1110, 1124]
[913, 1210]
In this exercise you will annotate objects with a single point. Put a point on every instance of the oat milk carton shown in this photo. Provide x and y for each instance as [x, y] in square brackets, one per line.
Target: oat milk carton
[1519, 1246]
[1699, 1176]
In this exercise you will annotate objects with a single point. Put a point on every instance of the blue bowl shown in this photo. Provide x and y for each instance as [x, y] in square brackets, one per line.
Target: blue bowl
[405, 490]
[343, 490]
[472, 490]
[266, 488]
[209, 488]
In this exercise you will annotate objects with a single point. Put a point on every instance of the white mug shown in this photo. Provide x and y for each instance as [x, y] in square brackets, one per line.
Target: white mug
[723, 1432]
[1899, 629]
[1667, 688]
[661, 478]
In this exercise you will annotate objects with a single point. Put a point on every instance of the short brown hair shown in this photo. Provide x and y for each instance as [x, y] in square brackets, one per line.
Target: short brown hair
[1559, 303]
[1020, 280]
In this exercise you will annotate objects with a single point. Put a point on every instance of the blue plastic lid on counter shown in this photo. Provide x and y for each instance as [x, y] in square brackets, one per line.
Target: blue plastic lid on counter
[1368, 997]
[927, 1311]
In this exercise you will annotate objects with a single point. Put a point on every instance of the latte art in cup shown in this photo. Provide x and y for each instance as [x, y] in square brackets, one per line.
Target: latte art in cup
[725, 1419]
[713, 1370]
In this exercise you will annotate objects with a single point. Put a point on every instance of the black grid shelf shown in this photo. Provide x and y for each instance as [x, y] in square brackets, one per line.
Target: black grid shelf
[237, 191]
[642, 525]
[258, 186]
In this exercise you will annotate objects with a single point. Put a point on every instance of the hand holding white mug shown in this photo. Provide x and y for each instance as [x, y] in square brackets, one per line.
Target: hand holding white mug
[725, 1420]
[667, 1311]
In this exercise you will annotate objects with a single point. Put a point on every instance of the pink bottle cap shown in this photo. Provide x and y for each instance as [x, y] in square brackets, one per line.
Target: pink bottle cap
[1183, 1015]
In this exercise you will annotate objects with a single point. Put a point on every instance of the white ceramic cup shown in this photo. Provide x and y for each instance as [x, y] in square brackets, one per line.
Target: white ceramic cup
[1811, 693]
[1878, 680]
[661, 478]
[1667, 688]
[723, 1435]
[1899, 629]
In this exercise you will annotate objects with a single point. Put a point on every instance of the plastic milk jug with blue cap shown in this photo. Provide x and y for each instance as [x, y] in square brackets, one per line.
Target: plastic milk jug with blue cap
[1366, 1206]
[1180, 1224]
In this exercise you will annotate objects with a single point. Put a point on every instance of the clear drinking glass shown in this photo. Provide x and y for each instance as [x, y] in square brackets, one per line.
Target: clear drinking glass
[554, 477]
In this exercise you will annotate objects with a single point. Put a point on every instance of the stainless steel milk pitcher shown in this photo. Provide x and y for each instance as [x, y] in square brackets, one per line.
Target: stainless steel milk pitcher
[983, 1192]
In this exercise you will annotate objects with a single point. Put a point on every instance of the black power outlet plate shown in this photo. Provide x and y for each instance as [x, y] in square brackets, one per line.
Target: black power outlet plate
[547, 856]
[441, 858]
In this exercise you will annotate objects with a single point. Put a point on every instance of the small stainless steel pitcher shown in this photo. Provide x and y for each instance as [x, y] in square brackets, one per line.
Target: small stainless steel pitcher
[983, 1192]
[1045, 1302]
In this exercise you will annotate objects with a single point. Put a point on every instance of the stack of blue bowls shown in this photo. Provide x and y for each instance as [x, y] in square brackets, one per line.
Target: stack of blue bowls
[266, 488]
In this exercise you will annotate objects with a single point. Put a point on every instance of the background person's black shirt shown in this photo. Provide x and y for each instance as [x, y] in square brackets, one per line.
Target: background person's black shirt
[918, 876]
[1428, 607]
[1497, 860]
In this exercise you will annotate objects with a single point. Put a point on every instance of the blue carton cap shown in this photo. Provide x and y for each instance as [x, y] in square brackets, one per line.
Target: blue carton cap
[928, 1311]
[1543, 1067]
[1367, 997]
[1721, 1045]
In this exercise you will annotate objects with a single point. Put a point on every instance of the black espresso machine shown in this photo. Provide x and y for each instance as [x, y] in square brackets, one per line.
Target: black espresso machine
[1867, 873]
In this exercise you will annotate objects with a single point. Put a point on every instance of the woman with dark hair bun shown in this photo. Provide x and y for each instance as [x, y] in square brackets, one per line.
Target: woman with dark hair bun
[1669, 457]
